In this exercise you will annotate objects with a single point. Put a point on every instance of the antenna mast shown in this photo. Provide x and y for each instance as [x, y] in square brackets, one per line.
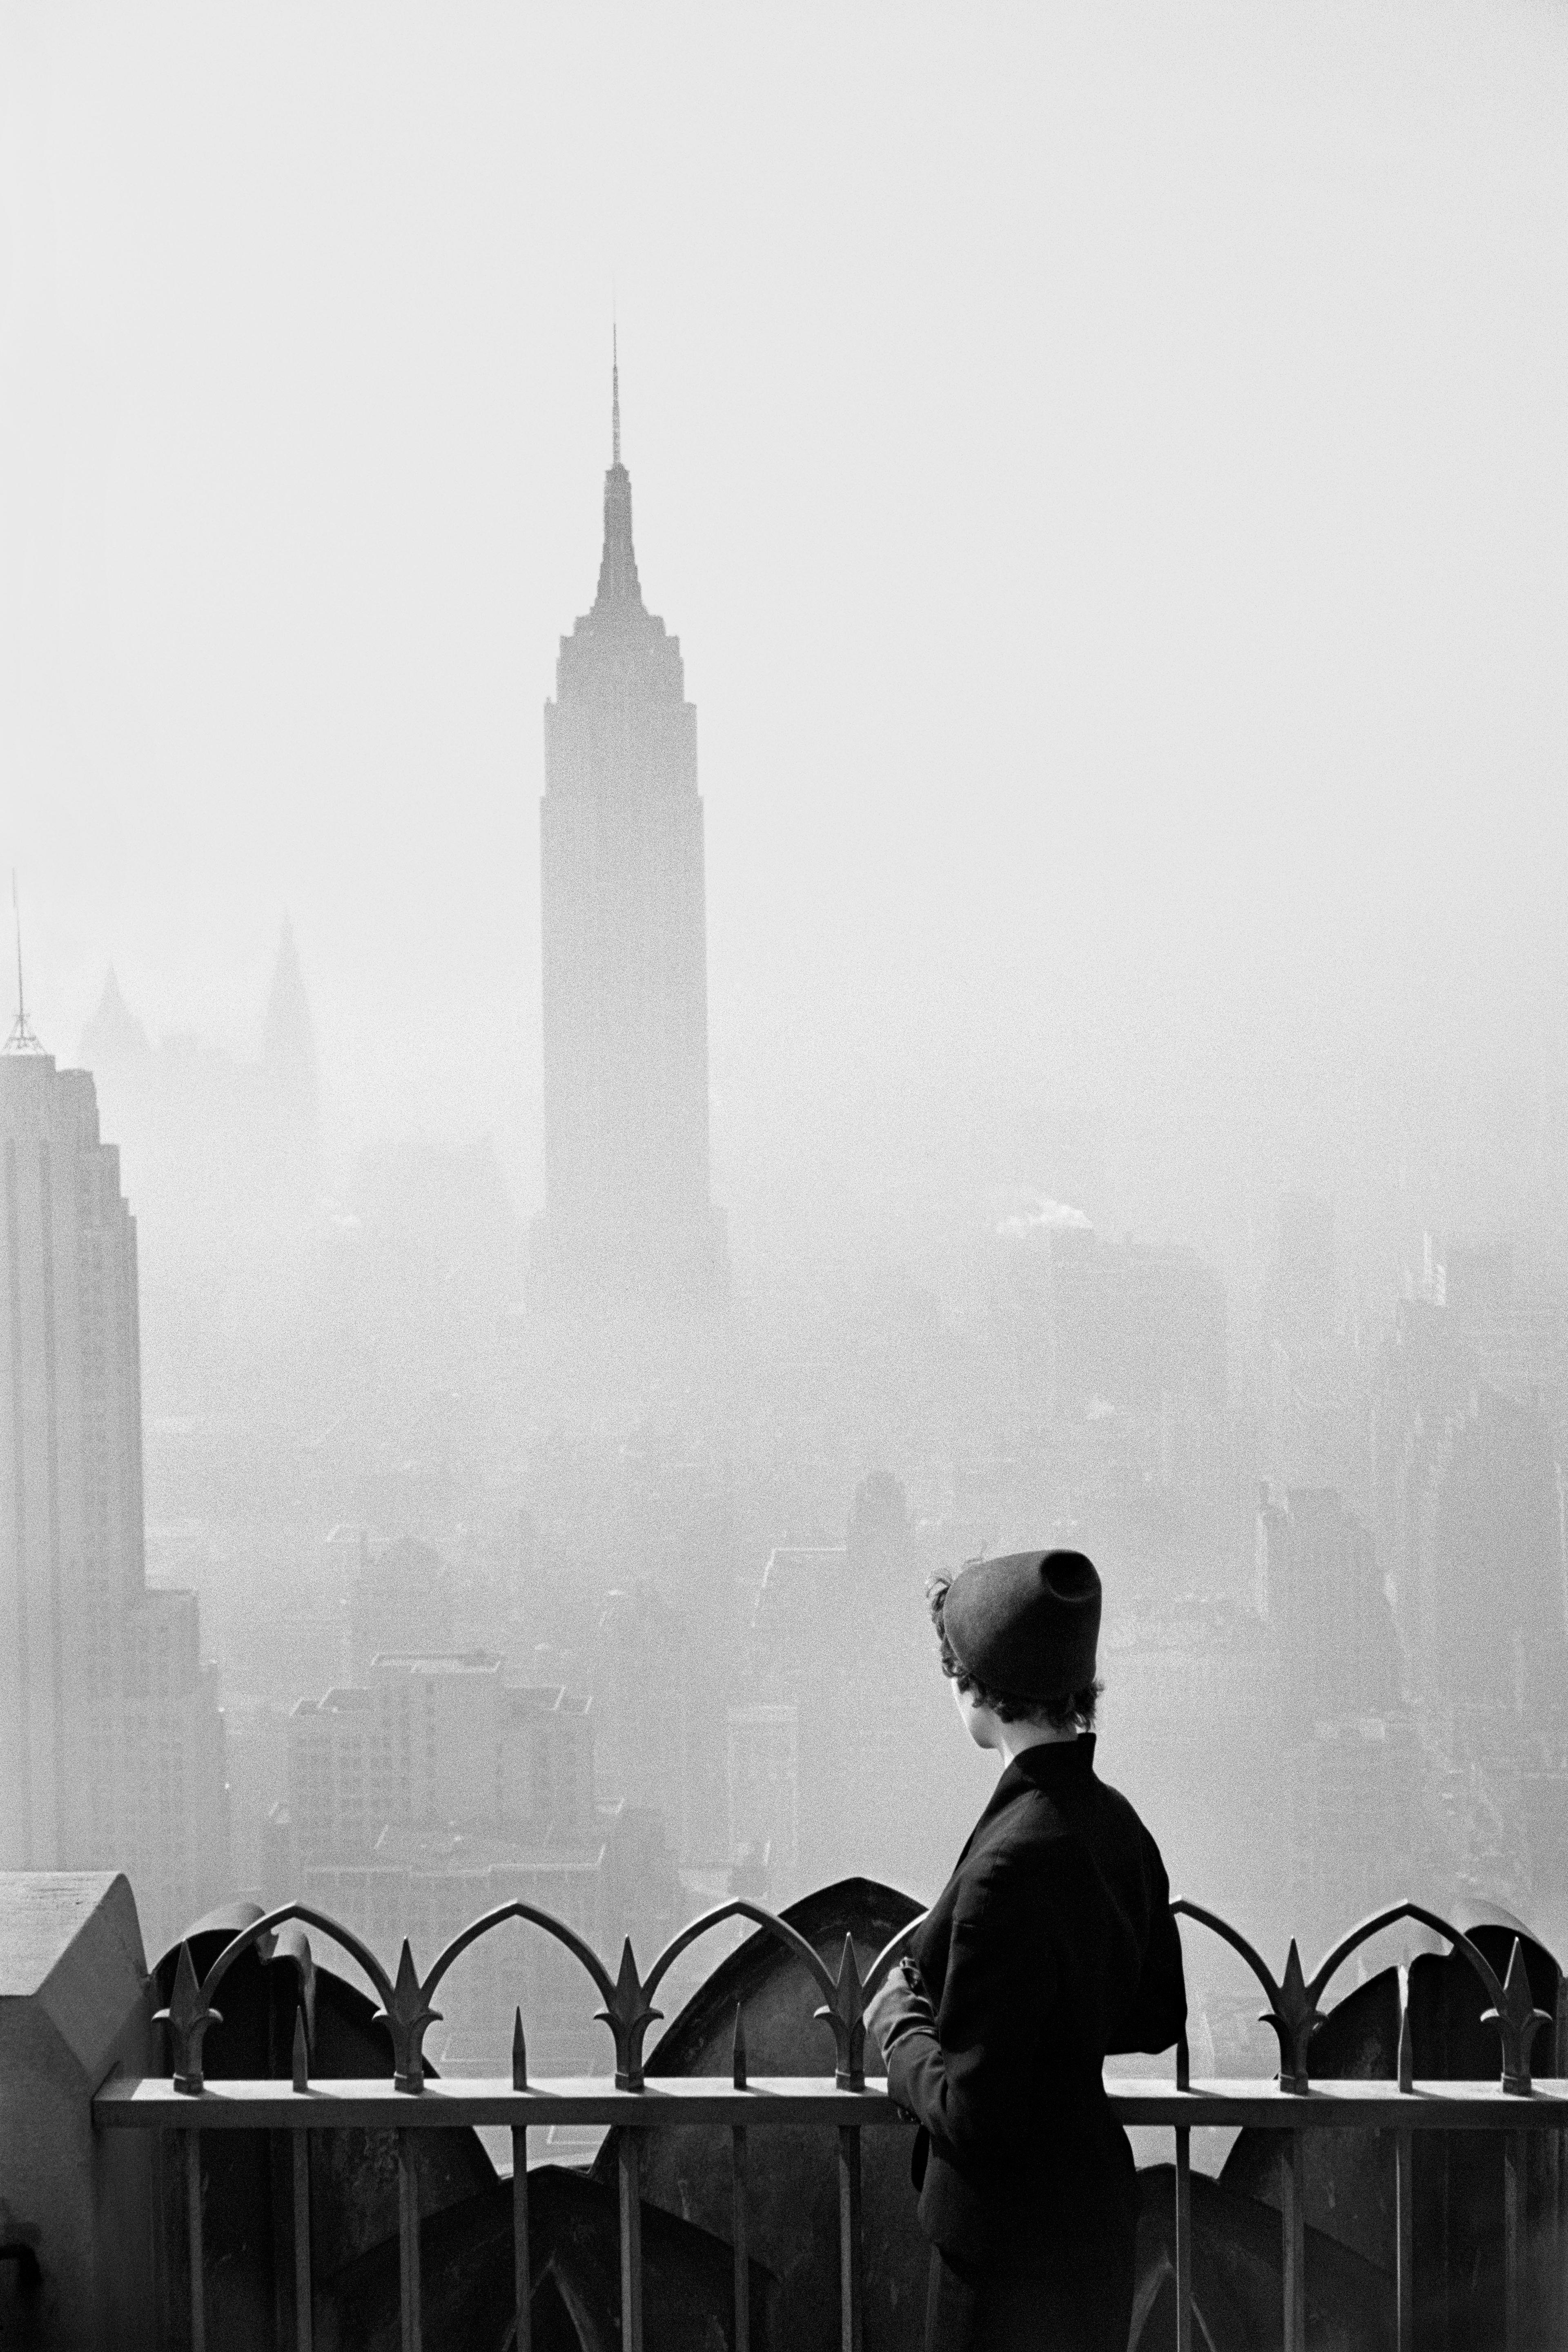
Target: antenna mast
[21, 1039]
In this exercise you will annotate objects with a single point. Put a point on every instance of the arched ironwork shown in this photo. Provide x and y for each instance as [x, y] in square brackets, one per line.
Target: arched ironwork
[406, 2000]
[190, 2010]
[1295, 2016]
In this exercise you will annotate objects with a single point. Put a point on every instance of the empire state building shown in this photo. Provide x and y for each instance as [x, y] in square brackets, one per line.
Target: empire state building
[626, 1210]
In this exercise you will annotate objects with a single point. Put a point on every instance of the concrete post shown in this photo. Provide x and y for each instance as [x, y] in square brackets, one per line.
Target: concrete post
[79, 2206]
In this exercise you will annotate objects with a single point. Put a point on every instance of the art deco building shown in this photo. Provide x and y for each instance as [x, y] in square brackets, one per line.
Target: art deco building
[627, 1213]
[111, 1740]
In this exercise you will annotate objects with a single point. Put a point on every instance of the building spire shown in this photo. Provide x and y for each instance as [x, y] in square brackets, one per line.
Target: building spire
[21, 1039]
[618, 586]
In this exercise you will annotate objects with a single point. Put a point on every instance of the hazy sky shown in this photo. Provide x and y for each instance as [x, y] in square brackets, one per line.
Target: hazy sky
[1106, 466]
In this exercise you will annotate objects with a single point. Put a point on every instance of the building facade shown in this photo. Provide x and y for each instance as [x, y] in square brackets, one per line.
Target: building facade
[430, 1740]
[623, 922]
[438, 1789]
[1316, 1586]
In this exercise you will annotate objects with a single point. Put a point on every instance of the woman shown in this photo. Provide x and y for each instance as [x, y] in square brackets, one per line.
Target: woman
[1051, 1945]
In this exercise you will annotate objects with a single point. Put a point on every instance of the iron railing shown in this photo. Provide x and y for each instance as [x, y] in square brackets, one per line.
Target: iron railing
[1515, 2106]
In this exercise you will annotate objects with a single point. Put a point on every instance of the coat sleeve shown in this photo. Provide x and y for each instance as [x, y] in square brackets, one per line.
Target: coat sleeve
[970, 2081]
[1159, 2008]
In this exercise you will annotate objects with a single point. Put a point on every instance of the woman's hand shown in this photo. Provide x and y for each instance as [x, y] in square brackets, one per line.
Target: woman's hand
[899, 2005]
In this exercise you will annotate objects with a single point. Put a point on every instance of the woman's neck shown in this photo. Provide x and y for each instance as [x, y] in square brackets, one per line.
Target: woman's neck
[1012, 1738]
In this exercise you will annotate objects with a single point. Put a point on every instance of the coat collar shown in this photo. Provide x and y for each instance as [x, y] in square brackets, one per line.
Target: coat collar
[1049, 1766]
[1046, 1763]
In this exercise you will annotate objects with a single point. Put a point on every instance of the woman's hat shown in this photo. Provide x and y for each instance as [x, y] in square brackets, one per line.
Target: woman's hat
[1026, 1627]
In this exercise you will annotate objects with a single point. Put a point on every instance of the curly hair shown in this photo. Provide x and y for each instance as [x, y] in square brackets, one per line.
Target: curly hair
[1075, 1712]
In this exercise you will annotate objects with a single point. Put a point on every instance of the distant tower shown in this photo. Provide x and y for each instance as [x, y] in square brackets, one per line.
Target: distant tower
[113, 1038]
[292, 1087]
[627, 1212]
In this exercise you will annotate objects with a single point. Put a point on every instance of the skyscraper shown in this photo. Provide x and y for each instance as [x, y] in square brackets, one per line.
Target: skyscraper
[111, 1740]
[70, 1493]
[291, 1085]
[627, 1213]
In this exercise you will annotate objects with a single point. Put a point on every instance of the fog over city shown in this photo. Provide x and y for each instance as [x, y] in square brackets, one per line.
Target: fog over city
[1104, 469]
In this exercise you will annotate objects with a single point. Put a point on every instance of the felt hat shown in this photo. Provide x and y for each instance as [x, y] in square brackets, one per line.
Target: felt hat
[1026, 1627]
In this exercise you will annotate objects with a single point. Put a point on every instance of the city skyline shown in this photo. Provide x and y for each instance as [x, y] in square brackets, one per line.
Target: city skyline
[1116, 1355]
[1081, 1174]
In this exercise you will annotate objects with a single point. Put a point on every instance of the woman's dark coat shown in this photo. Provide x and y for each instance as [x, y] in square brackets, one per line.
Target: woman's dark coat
[1051, 1946]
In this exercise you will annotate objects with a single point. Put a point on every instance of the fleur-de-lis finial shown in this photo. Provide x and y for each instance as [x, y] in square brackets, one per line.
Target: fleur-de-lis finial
[628, 2017]
[738, 2055]
[1295, 2018]
[301, 2052]
[519, 2053]
[405, 2017]
[187, 2018]
[846, 2013]
[1517, 2020]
